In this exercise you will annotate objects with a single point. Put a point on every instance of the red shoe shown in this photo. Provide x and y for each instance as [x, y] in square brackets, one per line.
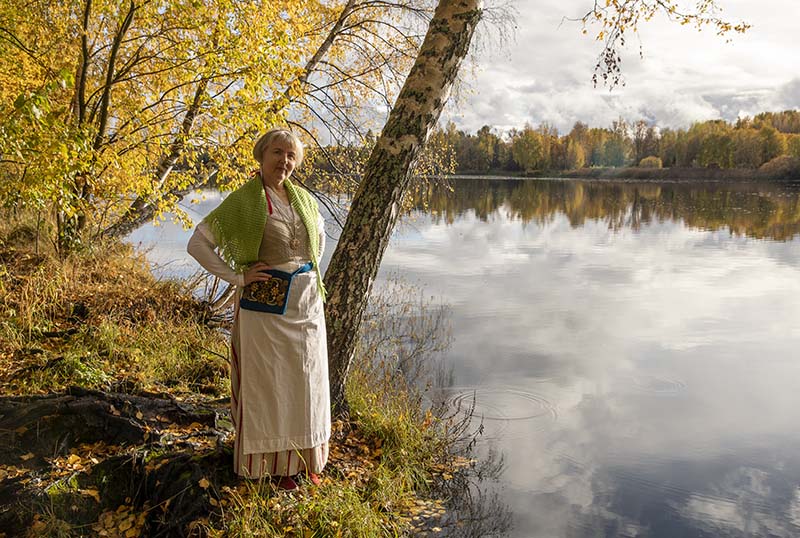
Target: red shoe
[287, 483]
[315, 479]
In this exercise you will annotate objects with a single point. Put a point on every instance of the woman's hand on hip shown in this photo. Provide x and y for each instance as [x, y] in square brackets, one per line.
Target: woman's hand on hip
[254, 273]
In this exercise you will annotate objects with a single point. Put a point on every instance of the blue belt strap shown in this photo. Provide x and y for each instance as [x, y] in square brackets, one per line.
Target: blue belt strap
[283, 274]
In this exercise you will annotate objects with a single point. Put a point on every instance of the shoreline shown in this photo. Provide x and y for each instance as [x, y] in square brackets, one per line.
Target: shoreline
[672, 175]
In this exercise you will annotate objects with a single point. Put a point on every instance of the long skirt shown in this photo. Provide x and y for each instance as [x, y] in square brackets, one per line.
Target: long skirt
[280, 400]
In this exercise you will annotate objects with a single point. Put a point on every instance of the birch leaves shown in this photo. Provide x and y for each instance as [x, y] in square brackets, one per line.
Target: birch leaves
[617, 18]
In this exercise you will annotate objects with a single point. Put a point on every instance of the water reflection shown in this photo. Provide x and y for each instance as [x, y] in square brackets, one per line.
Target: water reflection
[474, 509]
[760, 210]
[631, 349]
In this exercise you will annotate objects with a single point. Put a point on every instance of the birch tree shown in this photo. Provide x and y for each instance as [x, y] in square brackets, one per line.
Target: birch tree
[125, 85]
[120, 109]
[376, 205]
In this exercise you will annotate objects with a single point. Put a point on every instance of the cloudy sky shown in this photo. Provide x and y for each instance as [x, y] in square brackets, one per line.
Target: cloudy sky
[543, 73]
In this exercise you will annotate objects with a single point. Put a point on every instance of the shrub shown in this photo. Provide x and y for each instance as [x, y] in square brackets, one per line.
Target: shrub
[651, 162]
[781, 167]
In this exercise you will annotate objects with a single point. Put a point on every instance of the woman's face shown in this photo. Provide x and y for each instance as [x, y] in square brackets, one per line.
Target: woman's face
[278, 161]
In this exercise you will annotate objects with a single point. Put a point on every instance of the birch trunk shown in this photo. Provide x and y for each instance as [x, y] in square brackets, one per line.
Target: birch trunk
[376, 205]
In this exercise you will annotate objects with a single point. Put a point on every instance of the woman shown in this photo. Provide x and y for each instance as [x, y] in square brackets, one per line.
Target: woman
[280, 400]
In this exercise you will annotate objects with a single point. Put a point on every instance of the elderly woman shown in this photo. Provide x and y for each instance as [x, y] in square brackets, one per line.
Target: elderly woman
[280, 400]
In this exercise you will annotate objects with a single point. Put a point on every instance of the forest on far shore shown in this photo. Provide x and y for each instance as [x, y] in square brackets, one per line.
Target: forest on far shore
[748, 144]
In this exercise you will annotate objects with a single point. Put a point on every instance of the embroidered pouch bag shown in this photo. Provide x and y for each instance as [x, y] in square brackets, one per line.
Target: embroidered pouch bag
[271, 295]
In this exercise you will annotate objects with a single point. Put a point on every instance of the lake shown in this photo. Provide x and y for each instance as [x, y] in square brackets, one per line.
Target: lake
[631, 348]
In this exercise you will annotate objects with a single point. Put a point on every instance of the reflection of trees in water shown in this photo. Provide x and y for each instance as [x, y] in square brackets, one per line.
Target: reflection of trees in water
[763, 211]
[474, 508]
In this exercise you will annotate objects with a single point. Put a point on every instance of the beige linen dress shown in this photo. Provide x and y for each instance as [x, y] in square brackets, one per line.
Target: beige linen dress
[280, 401]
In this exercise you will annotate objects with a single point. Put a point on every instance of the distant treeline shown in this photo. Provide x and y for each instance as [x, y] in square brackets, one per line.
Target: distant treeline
[749, 143]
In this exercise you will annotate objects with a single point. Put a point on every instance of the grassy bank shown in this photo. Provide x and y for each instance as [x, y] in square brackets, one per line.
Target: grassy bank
[98, 326]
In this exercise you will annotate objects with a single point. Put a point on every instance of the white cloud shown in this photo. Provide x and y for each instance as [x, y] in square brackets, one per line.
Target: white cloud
[544, 75]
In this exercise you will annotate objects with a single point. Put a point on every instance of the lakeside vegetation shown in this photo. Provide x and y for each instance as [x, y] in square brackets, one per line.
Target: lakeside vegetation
[114, 418]
[768, 143]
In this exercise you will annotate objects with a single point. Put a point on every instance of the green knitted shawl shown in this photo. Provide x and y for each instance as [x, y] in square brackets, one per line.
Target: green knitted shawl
[238, 224]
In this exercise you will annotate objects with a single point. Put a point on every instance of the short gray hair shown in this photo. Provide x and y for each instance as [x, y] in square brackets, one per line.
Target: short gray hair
[284, 135]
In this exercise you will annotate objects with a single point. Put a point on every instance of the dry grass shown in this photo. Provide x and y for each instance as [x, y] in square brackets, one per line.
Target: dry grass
[99, 319]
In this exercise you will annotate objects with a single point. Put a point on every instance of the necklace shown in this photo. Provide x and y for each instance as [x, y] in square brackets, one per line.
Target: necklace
[294, 242]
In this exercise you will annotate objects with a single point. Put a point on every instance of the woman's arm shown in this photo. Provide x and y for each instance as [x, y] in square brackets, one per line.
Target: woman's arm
[202, 248]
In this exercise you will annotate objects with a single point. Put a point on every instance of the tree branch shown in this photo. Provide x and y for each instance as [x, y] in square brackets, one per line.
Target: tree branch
[106, 99]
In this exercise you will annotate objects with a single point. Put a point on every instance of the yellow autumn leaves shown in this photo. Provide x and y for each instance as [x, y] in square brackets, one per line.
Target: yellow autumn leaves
[615, 18]
[124, 522]
[104, 103]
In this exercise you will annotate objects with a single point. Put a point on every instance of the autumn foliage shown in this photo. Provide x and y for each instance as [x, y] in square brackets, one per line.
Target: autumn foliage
[745, 144]
[112, 112]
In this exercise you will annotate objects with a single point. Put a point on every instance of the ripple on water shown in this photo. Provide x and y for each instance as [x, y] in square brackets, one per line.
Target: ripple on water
[501, 406]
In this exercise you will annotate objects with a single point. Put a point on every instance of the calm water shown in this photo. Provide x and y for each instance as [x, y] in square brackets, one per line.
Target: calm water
[632, 349]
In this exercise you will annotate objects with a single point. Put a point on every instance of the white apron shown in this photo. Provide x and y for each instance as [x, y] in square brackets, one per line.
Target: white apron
[283, 376]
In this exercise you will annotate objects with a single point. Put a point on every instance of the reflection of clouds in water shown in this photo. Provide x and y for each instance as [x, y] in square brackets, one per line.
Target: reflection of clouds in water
[664, 350]
[165, 244]
[721, 511]
[615, 463]
[665, 498]
[486, 246]
[794, 508]
[779, 252]
[654, 285]
[745, 505]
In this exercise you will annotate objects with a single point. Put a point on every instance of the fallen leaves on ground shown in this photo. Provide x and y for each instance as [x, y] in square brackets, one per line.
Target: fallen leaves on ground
[124, 522]
[355, 457]
[12, 471]
[81, 458]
